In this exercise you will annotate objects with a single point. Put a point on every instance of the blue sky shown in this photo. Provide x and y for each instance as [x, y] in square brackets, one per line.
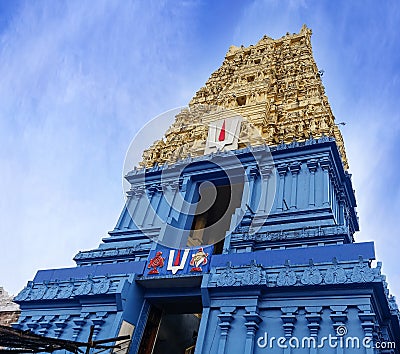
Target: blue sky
[79, 79]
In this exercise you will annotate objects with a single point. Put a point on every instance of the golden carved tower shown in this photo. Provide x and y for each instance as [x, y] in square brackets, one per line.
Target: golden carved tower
[274, 85]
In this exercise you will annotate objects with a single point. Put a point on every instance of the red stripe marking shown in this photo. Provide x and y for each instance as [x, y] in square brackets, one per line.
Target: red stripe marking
[177, 258]
[221, 136]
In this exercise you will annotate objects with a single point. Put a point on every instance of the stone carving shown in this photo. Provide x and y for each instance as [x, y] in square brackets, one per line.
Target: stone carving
[107, 253]
[335, 274]
[253, 276]
[362, 273]
[38, 292]
[102, 286]
[51, 292]
[295, 275]
[312, 275]
[291, 234]
[274, 85]
[66, 291]
[287, 276]
[85, 288]
[24, 293]
[227, 277]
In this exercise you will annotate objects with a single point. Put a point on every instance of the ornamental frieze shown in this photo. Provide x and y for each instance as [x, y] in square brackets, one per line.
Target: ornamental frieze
[309, 232]
[296, 275]
[110, 253]
[68, 290]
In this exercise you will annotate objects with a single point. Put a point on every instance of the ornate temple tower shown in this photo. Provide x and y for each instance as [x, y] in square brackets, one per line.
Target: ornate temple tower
[238, 231]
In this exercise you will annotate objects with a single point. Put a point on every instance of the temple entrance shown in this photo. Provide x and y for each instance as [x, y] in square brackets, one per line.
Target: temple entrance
[177, 334]
[170, 333]
[210, 226]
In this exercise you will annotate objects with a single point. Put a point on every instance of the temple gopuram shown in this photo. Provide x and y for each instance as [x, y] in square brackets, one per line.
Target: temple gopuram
[237, 235]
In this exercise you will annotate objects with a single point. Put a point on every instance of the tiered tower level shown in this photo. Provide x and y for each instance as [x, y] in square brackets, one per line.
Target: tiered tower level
[274, 84]
[282, 263]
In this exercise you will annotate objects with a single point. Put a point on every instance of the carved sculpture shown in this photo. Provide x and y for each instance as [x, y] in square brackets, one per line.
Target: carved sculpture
[274, 85]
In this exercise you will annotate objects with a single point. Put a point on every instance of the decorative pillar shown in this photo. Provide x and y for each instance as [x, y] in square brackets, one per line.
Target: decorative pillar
[60, 323]
[340, 201]
[294, 169]
[266, 172]
[182, 206]
[282, 169]
[97, 322]
[143, 210]
[172, 199]
[45, 324]
[339, 318]
[151, 212]
[246, 193]
[289, 319]
[325, 164]
[136, 193]
[313, 317]
[79, 323]
[173, 187]
[251, 174]
[252, 321]
[203, 328]
[312, 167]
[367, 318]
[225, 317]
[33, 324]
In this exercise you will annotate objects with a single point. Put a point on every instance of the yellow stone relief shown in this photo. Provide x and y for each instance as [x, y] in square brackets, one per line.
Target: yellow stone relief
[274, 85]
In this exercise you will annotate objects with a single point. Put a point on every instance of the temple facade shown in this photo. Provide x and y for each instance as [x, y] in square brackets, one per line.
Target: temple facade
[237, 235]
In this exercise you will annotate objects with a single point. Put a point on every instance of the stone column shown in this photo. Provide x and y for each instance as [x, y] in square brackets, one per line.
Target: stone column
[79, 323]
[225, 317]
[312, 167]
[325, 164]
[173, 188]
[294, 169]
[61, 323]
[339, 318]
[313, 317]
[33, 324]
[45, 324]
[252, 174]
[136, 193]
[252, 321]
[98, 322]
[367, 318]
[172, 199]
[266, 172]
[289, 319]
[151, 212]
[202, 330]
[282, 169]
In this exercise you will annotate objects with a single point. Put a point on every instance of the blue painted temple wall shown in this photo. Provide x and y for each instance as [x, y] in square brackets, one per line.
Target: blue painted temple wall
[289, 266]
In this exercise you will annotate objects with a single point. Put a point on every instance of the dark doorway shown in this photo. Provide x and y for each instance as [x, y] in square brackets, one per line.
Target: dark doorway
[177, 334]
[209, 226]
[169, 333]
